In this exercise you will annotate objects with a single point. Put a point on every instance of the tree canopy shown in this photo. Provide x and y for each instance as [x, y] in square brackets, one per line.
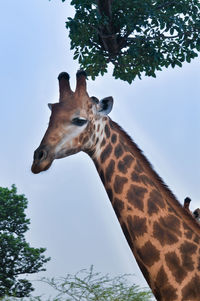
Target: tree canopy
[137, 37]
[16, 256]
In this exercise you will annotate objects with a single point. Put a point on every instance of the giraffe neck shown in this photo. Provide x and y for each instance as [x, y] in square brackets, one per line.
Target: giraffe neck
[163, 237]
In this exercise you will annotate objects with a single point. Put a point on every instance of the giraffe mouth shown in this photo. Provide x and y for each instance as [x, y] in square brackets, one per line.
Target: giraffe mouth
[41, 162]
[38, 167]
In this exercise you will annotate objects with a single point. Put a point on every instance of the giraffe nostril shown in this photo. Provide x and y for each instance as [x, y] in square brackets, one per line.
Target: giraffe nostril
[40, 155]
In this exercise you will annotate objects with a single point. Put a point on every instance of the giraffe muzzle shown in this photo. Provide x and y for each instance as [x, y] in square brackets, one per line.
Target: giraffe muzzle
[41, 160]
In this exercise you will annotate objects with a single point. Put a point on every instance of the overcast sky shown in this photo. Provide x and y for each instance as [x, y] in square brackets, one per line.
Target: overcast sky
[69, 210]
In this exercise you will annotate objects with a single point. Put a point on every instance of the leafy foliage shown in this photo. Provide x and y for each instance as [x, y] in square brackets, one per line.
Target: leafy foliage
[16, 256]
[137, 37]
[88, 285]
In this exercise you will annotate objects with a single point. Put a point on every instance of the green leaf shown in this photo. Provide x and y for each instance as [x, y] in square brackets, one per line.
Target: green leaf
[188, 58]
[76, 56]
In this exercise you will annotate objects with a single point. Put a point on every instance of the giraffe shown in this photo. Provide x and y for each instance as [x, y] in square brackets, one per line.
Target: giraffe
[162, 235]
[186, 205]
[195, 213]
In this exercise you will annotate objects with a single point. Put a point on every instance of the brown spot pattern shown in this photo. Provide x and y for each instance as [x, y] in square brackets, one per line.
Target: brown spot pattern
[173, 223]
[170, 209]
[124, 164]
[107, 131]
[163, 290]
[173, 263]
[114, 138]
[103, 142]
[149, 254]
[109, 170]
[106, 153]
[146, 180]
[135, 177]
[152, 207]
[137, 226]
[188, 232]
[198, 266]
[166, 230]
[192, 290]
[187, 249]
[197, 239]
[118, 207]
[118, 151]
[138, 167]
[135, 196]
[119, 183]
[156, 198]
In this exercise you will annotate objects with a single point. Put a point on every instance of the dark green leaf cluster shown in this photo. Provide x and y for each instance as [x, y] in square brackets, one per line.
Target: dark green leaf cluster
[16, 255]
[137, 37]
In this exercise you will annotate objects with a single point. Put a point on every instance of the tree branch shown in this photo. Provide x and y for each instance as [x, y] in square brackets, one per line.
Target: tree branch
[107, 33]
[105, 7]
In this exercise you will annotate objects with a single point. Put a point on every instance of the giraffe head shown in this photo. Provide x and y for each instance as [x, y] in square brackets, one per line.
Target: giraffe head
[73, 123]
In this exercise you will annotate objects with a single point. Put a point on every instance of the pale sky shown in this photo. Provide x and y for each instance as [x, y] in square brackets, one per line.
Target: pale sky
[69, 210]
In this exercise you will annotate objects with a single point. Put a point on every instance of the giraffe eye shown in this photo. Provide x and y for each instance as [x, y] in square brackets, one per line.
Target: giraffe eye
[79, 121]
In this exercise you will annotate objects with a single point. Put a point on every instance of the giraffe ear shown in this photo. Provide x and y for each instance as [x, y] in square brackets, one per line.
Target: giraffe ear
[50, 105]
[105, 105]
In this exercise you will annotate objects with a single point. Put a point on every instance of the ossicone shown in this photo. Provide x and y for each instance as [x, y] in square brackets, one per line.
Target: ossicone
[81, 82]
[64, 85]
